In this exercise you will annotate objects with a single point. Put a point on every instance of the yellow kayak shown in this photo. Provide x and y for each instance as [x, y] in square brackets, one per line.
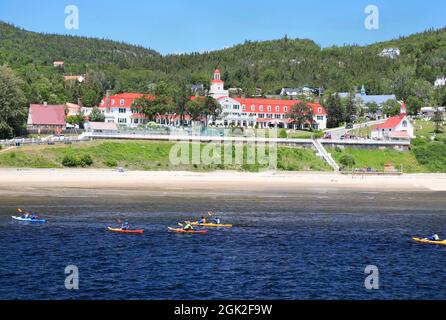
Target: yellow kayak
[426, 241]
[209, 225]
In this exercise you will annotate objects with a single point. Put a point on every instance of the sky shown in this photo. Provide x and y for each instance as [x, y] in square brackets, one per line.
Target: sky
[180, 26]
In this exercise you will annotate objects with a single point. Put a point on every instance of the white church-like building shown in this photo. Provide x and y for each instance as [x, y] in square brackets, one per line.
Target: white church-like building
[398, 128]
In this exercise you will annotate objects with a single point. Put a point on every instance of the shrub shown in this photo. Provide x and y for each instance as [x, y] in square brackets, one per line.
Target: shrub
[318, 134]
[111, 163]
[12, 155]
[86, 161]
[70, 161]
[337, 149]
[283, 134]
[347, 160]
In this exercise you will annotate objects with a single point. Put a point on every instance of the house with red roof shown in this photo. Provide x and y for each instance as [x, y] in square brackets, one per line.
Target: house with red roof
[241, 112]
[398, 128]
[264, 113]
[46, 117]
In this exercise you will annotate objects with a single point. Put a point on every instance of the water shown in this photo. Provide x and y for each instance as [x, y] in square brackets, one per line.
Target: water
[286, 245]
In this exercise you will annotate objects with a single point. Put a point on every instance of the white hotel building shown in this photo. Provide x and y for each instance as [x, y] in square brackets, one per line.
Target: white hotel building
[242, 112]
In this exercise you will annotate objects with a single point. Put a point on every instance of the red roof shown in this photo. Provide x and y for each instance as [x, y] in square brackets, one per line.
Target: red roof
[277, 106]
[391, 123]
[217, 81]
[53, 115]
[216, 71]
[122, 100]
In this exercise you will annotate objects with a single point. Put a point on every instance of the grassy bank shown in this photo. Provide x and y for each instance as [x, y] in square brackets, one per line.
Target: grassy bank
[144, 155]
[376, 159]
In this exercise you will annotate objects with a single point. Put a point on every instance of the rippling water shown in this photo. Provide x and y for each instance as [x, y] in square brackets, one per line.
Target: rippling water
[295, 245]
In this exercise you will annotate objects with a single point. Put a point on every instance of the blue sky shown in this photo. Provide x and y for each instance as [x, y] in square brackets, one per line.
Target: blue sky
[176, 26]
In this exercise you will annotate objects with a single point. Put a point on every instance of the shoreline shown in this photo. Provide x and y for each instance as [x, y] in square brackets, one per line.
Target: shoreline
[91, 179]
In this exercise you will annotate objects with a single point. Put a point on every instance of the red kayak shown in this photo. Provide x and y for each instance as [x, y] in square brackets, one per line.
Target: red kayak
[177, 230]
[118, 230]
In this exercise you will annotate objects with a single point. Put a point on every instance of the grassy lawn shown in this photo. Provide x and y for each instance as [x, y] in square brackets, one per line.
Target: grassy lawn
[376, 159]
[145, 155]
[425, 129]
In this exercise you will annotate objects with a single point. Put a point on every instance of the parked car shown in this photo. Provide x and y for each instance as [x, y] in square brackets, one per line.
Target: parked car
[349, 126]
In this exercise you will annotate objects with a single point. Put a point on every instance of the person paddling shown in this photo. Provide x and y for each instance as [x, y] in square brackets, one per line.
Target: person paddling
[202, 220]
[216, 220]
[188, 227]
[125, 226]
[433, 237]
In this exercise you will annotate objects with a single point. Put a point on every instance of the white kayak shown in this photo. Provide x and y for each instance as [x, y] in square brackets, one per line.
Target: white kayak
[28, 219]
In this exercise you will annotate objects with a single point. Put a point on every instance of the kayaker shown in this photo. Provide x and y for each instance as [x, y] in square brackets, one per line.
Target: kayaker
[434, 237]
[25, 216]
[188, 227]
[202, 220]
[216, 220]
[125, 226]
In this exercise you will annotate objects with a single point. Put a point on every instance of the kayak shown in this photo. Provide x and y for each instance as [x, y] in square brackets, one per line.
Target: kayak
[177, 230]
[426, 241]
[211, 225]
[119, 230]
[28, 219]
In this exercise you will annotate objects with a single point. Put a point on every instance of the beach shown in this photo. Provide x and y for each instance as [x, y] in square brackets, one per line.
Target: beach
[30, 180]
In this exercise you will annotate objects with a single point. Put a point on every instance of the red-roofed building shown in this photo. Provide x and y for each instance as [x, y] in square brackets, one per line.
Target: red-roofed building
[46, 117]
[247, 112]
[118, 109]
[264, 113]
[395, 128]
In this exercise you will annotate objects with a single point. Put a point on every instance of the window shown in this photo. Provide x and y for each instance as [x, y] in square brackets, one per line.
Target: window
[122, 102]
[113, 102]
[253, 108]
[261, 115]
[320, 118]
[261, 108]
[236, 107]
[269, 108]
[122, 120]
[243, 107]
[404, 124]
[285, 109]
[135, 121]
[319, 110]
[277, 108]
[122, 110]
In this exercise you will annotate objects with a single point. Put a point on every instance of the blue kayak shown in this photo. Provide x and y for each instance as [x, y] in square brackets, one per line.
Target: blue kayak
[28, 219]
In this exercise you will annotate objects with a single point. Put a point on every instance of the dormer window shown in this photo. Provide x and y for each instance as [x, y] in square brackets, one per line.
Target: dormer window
[261, 108]
[253, 108]
[285, 109]
[113, 102]
[269, 108]
[122, 102]
[277, 108]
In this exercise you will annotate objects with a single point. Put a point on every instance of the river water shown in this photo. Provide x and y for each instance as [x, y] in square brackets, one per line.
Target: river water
[299, 244]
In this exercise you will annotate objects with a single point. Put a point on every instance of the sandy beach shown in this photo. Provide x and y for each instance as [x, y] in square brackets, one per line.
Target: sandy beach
[16, 180]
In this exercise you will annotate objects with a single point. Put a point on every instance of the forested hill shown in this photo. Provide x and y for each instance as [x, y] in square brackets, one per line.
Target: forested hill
[19, 47]
[269, 65]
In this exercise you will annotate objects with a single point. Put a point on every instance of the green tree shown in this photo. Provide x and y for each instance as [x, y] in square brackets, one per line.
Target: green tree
[13, 108]
[438, 119]
[76, 120]
[350, 108]
[96, 115]
[301, 114]
[335, 110]
[414, 105]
